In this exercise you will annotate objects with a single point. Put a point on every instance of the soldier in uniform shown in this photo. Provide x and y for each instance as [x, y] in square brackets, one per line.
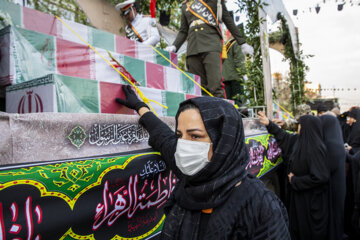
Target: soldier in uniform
[200, 26]
[139, 28]
[234, 70]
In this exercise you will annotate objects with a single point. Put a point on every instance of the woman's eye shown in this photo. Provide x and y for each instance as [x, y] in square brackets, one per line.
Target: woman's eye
[195, 137]
[177, 135]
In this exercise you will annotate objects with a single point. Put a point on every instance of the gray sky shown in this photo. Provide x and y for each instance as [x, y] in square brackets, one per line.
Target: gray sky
[334, 38]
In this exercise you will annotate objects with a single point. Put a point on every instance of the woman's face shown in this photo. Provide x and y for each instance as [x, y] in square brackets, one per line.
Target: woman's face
[191, 127]
[351, 120]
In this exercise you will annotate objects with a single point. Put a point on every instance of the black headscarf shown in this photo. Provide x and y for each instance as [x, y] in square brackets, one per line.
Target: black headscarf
[336, 158]
[310, 143]
[333, 141]
[213, 185]
[354, 136]
[309, 201]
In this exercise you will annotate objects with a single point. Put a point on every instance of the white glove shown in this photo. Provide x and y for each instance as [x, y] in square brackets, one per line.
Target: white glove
[247, 49]
[170, 48]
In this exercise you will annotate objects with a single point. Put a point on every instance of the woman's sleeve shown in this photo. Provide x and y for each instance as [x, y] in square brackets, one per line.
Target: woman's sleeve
[285, 140]
[319, 175]
[266, 218]
[273, 219]
[162, 138]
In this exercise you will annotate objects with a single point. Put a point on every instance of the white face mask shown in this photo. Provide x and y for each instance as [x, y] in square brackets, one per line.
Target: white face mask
[191, 156]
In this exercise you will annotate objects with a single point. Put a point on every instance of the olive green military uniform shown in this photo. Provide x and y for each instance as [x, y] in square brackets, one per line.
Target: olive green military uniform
[232, 77]
[205, 45]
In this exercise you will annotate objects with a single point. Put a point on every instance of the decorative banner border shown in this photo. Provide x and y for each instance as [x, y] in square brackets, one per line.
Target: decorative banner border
[70, 169]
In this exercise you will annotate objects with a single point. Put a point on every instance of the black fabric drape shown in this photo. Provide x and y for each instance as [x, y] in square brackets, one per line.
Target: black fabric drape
[351, 207]
[336, 158]
[309, 191]
[345, 128]
[354, 135]
[355, 211]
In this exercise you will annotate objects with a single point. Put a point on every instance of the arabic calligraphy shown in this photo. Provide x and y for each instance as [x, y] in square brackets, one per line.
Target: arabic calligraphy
[152, 168]
[204, 12]
[127, 200]
[273, 151]
[131, 34]
[135, 223]
[105, 134]
[17, 229]
[256, 154]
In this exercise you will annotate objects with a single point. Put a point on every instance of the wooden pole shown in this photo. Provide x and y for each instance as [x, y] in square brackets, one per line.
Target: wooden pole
[264, 40]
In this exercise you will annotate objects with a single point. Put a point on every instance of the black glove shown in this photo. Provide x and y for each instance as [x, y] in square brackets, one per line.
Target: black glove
[132, 100]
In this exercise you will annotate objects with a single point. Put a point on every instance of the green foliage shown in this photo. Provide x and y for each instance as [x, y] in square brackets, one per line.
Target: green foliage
[67, 9]
[298, 67]
[254, 86]
[276, 37]
[171, 7]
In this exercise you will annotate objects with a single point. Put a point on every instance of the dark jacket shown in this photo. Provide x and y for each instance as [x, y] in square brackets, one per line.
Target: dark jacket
[204, 38]
[244, 211]
[235, 60]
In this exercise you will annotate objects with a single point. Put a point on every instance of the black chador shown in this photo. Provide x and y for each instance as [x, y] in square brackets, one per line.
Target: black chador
[309, 189]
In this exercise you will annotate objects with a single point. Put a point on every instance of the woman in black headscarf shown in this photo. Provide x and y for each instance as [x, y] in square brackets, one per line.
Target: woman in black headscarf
[353, 139]
[336, 158]
[308, 174]
[215, 198]
[352, 203]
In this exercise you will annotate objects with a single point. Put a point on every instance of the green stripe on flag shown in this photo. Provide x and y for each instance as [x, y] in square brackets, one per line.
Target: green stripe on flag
[42, 43]
[136, 68]
[173, 100]
[188, 85]
[102, 39]
[77, 95]
[160, 60]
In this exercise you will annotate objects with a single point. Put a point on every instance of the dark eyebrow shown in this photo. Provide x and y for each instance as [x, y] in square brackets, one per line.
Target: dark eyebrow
[194, 129]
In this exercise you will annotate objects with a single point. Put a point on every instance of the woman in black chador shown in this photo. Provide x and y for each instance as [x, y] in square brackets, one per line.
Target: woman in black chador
[308, 174]
[354, 136]
[352, 202]
[215, 198]
[336, 158]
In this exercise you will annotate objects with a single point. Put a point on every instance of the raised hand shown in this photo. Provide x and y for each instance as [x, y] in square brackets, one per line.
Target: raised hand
[263, 118]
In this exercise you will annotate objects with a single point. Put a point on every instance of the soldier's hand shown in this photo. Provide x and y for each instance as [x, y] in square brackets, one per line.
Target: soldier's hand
[247, 49]
[170, 48]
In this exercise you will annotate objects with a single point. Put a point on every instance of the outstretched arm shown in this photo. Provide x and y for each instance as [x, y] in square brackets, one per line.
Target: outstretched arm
[162, 138]
[285, 140]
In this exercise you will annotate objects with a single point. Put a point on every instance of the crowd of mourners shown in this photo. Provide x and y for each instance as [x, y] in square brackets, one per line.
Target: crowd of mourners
[216, 198]
[321, 172]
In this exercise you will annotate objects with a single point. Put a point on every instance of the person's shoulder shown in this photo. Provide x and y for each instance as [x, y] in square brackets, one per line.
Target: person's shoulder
[254, 192]
[252, 185]
[151, 21]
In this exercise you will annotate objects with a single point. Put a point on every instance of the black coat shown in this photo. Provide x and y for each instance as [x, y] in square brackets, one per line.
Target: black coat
[247, 211]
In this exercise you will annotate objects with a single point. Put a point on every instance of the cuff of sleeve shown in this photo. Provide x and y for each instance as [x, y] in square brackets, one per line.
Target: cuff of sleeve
[294, 182]
[241, 41]
[272, 128]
